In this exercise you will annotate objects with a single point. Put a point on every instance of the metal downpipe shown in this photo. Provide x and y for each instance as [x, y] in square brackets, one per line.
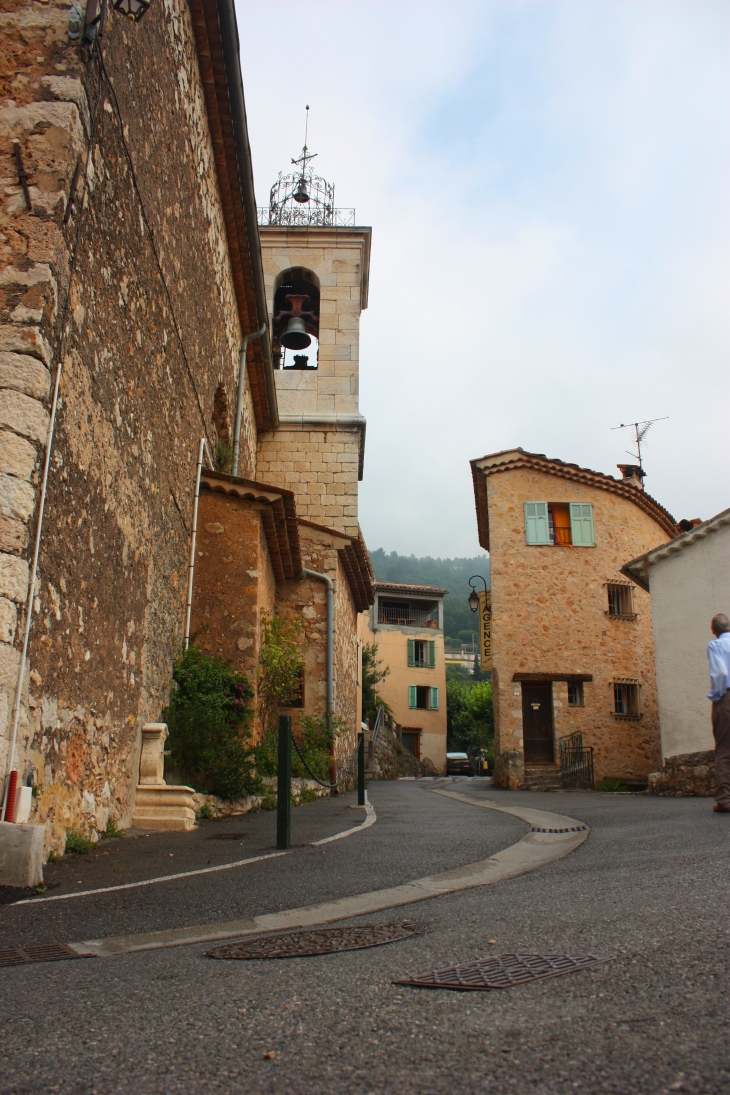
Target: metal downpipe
[240, 390]
[330, 655]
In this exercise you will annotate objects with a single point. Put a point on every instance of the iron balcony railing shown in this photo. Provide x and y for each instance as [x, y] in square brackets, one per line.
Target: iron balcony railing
[301, 216]
[576, 763]
[403, 616]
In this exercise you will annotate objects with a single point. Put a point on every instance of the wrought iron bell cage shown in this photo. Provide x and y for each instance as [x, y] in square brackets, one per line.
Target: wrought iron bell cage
[289, 206]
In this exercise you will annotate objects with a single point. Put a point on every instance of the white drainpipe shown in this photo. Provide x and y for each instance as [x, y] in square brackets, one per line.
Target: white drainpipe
[239, 397]
[193, 538]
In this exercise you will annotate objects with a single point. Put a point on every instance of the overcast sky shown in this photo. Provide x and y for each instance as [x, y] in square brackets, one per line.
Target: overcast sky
[548, 187]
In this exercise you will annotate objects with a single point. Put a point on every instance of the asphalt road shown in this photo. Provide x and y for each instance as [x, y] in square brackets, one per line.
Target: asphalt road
[648, 886]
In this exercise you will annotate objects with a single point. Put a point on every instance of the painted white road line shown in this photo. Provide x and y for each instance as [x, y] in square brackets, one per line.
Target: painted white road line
[535, 849]
[370, 819]
[149, 881]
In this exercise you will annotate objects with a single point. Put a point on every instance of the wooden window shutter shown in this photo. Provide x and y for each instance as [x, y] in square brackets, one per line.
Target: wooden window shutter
[537, 528]
[581, 524]
[412, 696]
[411, 652]
[433, 699]
[431, 654]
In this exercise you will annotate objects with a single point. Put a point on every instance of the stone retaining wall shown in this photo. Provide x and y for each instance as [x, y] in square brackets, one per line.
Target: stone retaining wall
[685, 774]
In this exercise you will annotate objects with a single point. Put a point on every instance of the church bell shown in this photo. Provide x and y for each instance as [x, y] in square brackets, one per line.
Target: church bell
[300, 194]
[295, 336]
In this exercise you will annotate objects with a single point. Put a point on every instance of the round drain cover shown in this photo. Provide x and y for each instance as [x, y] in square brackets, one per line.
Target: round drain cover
[300, 944]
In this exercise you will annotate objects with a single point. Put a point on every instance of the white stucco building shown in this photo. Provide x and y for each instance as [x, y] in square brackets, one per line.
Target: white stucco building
[689, 583]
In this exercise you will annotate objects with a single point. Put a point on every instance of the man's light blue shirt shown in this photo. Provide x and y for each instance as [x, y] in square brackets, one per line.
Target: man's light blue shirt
[718, 654]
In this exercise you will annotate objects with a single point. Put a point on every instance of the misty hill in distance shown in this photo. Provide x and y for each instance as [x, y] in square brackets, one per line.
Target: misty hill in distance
[460, 623]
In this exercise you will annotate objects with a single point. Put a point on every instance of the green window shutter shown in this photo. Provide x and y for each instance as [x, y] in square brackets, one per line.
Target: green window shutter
[412, 696]
[411, 652]
[431, 654]
[433, 699]
[581, 524]
[537, 528]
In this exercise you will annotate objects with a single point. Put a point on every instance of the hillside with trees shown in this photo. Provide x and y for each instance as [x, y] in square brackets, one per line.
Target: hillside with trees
[452, 574]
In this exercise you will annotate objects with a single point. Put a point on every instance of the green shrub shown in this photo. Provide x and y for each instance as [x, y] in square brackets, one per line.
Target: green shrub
[223, 457]
[268, 801]
[280, 668]
[205, 813]
[208, 719]
[76, 844]
[610, 784]
[306, 795]
[112, 832]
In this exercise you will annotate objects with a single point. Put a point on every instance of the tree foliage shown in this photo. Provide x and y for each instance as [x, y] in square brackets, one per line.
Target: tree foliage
[373, 672]
[208, 718]
[280, 668]
[470, 716]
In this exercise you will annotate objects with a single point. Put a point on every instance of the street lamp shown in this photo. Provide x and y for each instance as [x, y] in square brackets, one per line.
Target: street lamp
[474, 596]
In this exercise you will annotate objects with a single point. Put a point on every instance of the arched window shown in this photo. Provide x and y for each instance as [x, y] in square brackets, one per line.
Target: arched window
[296, 305]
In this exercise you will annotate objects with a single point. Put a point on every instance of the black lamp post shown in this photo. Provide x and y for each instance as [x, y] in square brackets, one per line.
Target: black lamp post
[474, 595]
[133, 9]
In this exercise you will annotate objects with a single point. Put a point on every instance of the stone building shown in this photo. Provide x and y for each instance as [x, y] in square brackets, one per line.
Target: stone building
[572, 642]
[130, 273]
[688, 580]
[406, 622]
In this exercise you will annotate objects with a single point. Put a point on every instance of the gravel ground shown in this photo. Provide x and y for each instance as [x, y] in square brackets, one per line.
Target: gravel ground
[648, 886]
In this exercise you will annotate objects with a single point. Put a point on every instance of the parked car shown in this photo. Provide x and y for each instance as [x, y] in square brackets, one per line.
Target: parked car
[458, 764]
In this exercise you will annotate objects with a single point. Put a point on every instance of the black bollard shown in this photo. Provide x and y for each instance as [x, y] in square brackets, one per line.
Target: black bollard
[361, 769]
[283, 784]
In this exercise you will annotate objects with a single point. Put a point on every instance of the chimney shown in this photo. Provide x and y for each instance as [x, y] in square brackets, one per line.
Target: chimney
[633, 474]
[687, 524]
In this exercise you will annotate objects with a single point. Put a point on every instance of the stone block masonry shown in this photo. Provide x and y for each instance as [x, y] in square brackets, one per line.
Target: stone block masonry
[320, 466]
[133, 293]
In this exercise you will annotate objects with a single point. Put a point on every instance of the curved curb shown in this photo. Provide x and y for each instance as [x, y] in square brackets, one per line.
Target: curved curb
[534, 849]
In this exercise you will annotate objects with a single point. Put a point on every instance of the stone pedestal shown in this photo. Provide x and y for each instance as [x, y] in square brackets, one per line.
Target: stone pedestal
[21, 854]
[157, 805]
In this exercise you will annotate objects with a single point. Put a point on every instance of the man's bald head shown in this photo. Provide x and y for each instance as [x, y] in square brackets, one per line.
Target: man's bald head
[720, 624]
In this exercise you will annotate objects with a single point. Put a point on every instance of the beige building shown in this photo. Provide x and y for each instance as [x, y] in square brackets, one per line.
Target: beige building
[688, 580]
[572, 641]
[407, 623]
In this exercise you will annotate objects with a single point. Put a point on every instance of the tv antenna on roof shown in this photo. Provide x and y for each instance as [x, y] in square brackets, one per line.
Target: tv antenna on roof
[640, 429]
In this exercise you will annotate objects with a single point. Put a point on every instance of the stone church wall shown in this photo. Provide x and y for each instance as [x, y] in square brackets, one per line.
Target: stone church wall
[147, 335]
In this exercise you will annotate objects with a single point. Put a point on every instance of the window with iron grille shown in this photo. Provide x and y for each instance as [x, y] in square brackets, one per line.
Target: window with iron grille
[575, 693]
[620, 600]
[626, 700]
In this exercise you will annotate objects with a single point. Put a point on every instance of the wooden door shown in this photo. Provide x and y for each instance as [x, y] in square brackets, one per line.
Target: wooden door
[537, 722]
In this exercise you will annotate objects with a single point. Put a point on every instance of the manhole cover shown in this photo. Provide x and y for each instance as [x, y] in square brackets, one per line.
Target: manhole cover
[300, 944]
[227, 836]
[502, 971]
[52, 952]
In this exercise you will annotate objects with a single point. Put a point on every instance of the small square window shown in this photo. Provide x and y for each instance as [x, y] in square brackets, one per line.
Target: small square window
[575, 693]
[626, 700]
[620, 600]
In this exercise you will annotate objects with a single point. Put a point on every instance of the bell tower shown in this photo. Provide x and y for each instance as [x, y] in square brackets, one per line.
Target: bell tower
[316, 265]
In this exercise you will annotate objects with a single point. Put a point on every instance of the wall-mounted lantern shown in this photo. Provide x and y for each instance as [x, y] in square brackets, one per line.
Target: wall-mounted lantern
[474, 596]
[133, 9]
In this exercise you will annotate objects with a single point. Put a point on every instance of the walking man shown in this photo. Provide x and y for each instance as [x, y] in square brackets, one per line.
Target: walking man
[718, 654]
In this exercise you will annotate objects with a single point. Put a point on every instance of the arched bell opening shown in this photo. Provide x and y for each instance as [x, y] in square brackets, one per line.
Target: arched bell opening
[296, 319]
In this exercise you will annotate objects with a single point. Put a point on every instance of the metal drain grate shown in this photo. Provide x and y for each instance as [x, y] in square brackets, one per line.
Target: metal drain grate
[573, 829]
[227, 836]
[502, 971]
[52, 952]
[301, 944]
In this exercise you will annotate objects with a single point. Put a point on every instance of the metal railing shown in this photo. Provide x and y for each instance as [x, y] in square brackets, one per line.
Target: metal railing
[406, 617]
[317, 217]
[576, 763]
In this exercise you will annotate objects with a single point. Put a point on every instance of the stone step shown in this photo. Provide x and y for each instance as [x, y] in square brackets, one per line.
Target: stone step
[542, 777]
